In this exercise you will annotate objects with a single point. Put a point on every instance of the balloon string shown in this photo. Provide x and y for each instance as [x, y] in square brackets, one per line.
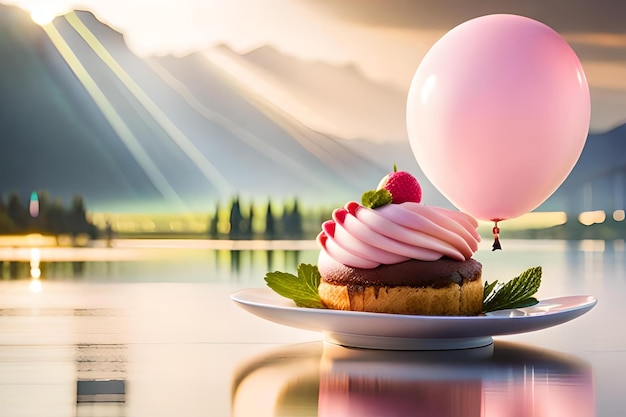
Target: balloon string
[496, 237]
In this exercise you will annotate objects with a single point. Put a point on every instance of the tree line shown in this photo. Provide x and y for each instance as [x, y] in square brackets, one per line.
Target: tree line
[289, 225]
[44, 215]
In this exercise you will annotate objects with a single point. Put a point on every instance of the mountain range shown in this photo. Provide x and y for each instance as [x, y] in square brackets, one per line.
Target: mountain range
[81, 114]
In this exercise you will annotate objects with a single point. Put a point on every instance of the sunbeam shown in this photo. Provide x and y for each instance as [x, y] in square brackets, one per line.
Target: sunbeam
[170, 128]
[241, 132]
[113, 117]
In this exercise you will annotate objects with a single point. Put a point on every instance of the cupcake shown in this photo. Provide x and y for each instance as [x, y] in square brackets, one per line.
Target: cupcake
[392, 254]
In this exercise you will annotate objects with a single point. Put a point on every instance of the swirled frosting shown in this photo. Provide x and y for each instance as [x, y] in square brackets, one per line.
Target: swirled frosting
[362, 237]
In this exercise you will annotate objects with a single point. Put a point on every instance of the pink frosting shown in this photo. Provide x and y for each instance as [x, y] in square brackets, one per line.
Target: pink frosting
[361, 237]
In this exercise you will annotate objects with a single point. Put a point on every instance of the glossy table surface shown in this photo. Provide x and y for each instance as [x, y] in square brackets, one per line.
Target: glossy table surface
[94, 348]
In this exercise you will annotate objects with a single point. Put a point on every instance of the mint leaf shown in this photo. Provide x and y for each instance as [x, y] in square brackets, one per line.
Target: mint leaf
[488, 290]
[516, 293]
[302, 289]
[376, 198]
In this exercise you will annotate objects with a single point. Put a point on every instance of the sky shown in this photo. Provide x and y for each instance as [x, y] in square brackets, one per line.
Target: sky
[386, 39]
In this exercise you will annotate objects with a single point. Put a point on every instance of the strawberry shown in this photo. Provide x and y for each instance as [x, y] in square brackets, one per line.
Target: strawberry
[403, 187]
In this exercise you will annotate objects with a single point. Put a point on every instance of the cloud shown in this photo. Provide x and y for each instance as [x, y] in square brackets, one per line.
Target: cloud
[561, 15]
[598, 45]
[606, 74]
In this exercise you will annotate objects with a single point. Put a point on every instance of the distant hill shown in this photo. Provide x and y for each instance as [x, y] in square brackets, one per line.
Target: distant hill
[328, 98]
[598, 181]
[182, 134]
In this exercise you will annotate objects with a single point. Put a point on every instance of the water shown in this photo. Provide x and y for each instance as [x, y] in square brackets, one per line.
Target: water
[580, 263]
[133, 261]
[156, 314]
[572, 266]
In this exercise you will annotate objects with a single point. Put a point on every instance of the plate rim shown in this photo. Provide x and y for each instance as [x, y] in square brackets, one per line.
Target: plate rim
[590, 302]
[410, 332]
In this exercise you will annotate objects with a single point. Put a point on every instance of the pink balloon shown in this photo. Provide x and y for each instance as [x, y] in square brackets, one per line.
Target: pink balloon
[497, 115]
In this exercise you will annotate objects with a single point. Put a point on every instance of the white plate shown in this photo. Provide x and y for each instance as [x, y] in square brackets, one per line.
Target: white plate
[405, 332]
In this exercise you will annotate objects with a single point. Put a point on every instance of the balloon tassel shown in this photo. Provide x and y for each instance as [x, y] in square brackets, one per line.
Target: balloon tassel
[496, 237]
[496, 244]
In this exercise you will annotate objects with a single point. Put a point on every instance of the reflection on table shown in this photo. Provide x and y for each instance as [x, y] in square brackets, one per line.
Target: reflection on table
[504, 379]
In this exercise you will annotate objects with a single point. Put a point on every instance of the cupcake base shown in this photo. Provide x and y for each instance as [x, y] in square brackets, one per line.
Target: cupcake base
[434, 288]
[453, 300]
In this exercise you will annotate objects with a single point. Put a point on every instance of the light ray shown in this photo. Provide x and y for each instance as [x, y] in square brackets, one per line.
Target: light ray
[242, 133]
[233, 74]
[183, 142]
[112, 116]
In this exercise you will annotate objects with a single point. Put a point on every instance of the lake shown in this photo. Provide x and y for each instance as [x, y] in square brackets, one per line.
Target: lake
[155, 316]
[577, 261]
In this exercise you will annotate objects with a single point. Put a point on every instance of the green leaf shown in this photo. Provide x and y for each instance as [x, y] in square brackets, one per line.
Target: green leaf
[302, 289]
[488, 290]
[376, 198]
[516, 293]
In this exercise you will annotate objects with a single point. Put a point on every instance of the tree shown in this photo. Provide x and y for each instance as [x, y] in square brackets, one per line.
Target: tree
[249, 222]
[236, 220]
[17, 211]
[292, 221]
[77, 217]
[213, 222]
[6, 223]
[56, 218]
[270, 222]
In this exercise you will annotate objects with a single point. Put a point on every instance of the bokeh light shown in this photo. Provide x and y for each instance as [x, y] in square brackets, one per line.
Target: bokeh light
[592, 217]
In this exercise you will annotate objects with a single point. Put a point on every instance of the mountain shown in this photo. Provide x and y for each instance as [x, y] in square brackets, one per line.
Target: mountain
[326, 97]
[81, 114]
[598, 181]
[167, 133]
[53, 134]
[600, 167]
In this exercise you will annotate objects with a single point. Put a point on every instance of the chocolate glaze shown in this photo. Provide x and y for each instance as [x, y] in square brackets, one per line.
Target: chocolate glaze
[412, 273]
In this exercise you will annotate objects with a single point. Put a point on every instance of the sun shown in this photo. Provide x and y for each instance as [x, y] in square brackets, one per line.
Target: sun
[42, 15]
[43, 12]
